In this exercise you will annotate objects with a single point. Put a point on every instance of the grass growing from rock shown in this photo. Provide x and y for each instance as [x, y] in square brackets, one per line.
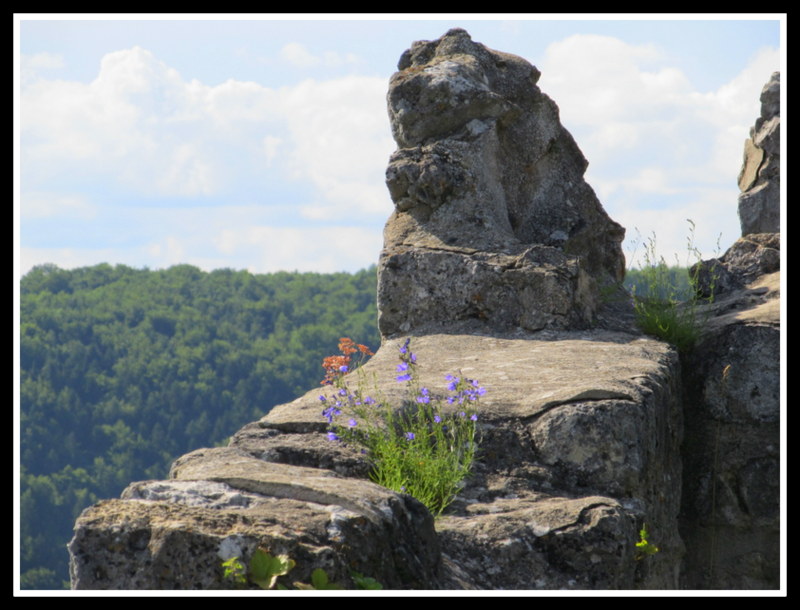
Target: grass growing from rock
[663, 307]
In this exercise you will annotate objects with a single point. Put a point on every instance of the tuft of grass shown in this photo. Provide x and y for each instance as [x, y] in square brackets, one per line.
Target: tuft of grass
[663, 307]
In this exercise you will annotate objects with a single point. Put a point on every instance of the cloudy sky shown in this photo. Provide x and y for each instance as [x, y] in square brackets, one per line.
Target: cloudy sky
[260, 143]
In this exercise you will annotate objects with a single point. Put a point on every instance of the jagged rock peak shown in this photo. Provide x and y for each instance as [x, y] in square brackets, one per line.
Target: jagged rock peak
[759, 179]
[493, 219]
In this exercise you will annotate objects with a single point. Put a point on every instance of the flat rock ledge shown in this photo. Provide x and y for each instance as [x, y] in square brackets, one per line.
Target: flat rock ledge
[580, 436]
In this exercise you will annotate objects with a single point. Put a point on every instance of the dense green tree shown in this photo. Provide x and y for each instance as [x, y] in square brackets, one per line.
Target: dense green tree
[123, 369]
[662, 281]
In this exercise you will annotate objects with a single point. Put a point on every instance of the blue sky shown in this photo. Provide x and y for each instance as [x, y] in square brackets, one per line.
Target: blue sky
[257, 142]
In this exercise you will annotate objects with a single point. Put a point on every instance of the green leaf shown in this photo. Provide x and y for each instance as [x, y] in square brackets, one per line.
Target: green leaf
[643, 547]
[265, 569]
[319, 581]
[234, 570]
[365, 582]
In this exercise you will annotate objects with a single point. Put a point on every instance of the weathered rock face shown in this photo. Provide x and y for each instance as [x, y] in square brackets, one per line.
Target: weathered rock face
[494, 224]
[580, 436]
[748, 258]
[222, 503]
[759, 180]
[730, 517]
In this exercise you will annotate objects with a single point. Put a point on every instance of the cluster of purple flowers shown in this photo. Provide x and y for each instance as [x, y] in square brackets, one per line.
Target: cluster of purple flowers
[331, 410]
[407, 362]
[463, 391]
[419, 450]
[468, 390]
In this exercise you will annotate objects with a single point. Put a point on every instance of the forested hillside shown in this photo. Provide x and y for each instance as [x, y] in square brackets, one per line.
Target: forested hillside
[123, 370]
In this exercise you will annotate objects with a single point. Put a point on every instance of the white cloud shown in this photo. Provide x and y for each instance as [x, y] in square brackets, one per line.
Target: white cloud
[342, 140]
[32, 65]
[297, 55]
[42, 61]
[71, 258]
[322, 249]
[143, 129]
[300, 57]
[659, 151]
[714, 217]
[734, 107]
[41, 204]
[169, 251]
[259, 238]
[596, 79]
[270, 148]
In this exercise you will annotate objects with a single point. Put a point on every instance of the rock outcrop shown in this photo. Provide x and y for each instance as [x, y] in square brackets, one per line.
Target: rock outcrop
[580, 436]
[759, 180]
[730, 519]
[223, 503]
[493, 219]
[492, 264]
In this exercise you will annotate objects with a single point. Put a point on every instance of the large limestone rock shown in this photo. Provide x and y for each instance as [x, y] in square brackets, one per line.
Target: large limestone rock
[580, 436]
[222, 503]
[494, 224]
[747, 259]
[759, 179]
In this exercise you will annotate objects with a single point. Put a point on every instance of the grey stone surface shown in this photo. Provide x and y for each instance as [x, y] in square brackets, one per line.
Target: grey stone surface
[759, 179]
[748, 258]
[580, 436]
[222, 503]
[494, 224]
[579, 446]
[730, 519]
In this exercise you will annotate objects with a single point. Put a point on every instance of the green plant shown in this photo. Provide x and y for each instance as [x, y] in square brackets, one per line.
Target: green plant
[234, 570]
[420, 447]
[663, 308]
[644, 548]
[319, 582]
[365, 582]
[264, 569]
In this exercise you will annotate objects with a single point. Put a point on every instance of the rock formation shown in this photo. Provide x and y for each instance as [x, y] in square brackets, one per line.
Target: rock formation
[757, 252]
[493, 220]
[494, 236]
[759, 180]
[580, 437]
[730, 519]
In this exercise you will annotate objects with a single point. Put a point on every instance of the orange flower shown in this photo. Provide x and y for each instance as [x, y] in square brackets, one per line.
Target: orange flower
[333, 365]
[333, 368]
[346, 346]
